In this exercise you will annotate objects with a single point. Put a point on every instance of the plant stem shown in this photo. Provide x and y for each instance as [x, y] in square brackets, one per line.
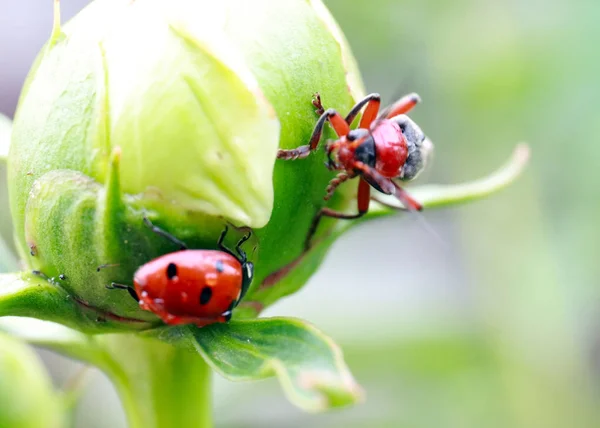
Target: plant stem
[160, 386]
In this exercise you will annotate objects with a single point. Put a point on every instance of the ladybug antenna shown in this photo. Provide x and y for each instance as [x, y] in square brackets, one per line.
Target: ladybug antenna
[128, 288]
[107, 265]
[164, 234]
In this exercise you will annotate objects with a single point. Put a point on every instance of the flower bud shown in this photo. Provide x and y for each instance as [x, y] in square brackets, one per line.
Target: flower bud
[173, 110]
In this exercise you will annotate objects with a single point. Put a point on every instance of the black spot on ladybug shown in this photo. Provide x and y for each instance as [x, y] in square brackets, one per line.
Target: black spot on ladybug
[219, 266]
[205, 295]
[171, 270]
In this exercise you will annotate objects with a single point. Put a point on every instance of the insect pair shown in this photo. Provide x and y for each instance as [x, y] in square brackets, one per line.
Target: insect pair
[204, 286]
[384, 148]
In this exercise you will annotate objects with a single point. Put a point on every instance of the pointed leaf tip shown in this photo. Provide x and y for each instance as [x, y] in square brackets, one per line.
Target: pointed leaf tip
[308, 364]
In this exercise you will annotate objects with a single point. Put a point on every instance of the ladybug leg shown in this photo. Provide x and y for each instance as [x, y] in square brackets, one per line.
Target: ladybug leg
[229, 312]
[402, 106]
[372, 101]
[117, 286]
[164, 234]
[223, 247]
[40, 274]
[247, 267]
[241, 256]
[238, 247]
[363, 198]
[337, 122]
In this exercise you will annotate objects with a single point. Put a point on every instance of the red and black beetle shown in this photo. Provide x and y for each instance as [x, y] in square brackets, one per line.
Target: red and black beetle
[383, 148]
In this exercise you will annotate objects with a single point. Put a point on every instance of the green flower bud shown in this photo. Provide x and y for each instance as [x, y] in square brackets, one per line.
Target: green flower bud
[26, 394]
[173, 110]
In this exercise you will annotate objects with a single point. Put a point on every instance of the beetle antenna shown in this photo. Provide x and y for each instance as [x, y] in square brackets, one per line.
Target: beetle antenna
[413, 207]
[429, 228]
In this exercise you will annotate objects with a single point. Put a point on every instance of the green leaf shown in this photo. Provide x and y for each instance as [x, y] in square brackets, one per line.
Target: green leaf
[28, 295]
[437, 196]
[309, 364]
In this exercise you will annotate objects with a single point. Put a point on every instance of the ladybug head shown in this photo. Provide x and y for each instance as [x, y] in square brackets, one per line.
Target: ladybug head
[420, 147]
[247, 276]
[247, 267]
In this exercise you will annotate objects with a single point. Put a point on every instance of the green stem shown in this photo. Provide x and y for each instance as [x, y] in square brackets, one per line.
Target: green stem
[160, 386]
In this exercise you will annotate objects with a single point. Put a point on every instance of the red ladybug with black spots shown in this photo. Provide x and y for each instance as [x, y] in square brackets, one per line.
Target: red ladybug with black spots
[192, 286]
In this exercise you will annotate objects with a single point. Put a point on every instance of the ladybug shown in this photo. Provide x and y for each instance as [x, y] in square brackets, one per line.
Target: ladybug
[385, 147]
[192, 286]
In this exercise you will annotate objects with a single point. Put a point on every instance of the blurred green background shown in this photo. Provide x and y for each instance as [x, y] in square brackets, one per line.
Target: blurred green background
[495, 322]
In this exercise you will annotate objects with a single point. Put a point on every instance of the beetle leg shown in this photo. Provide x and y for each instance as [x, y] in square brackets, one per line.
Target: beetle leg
[318, 104]
[375, 179]
[334, 183]
[407, 200]
[402, 106]
[372, 101]
[337, 122]
[363, 198]
[130, 289]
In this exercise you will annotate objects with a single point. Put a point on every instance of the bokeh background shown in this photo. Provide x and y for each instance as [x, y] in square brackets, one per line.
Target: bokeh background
[494, 319]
